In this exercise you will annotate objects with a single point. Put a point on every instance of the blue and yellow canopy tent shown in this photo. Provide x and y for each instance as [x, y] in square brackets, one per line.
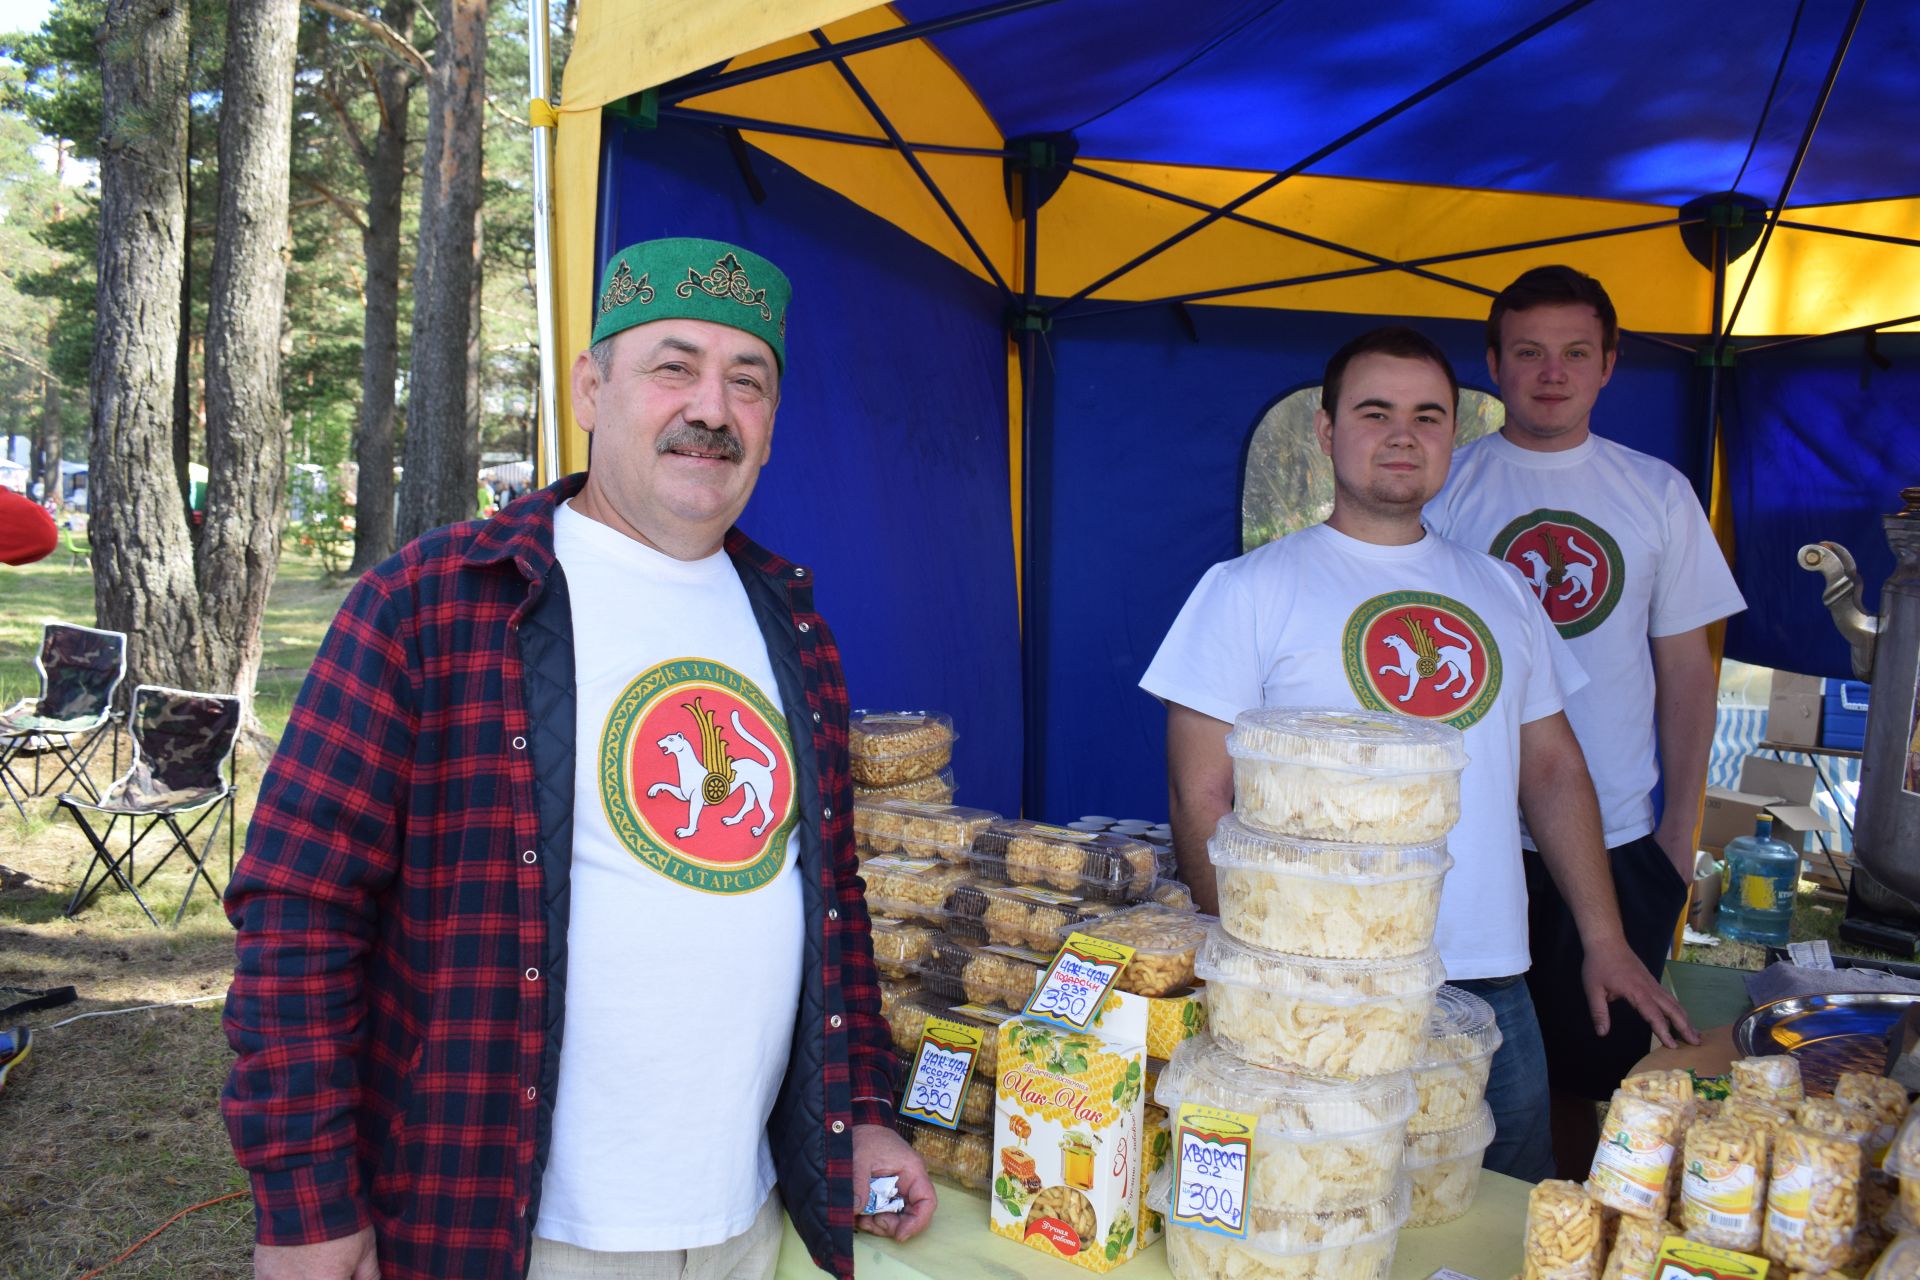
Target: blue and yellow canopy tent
[1055, 258]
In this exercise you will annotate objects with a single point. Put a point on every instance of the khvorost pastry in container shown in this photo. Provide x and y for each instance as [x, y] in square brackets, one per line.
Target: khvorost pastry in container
[1325, 1017]
[1321, 1145]
[1452, 1067]
[918, 828]
[1096, 865]
[1349, 1244]
[886, 748]
[1371, 777]
[1322, 898]
[1813, 1200]
[936, 788]
[1164, 942]
[1633, 1165]
[1565, 1237]
[1443, 1166]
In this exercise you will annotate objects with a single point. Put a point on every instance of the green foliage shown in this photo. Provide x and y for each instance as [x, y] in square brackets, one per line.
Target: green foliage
[324, 527]
[59, 87]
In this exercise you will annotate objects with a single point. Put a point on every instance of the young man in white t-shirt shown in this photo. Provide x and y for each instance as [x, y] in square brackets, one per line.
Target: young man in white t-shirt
[1305, 621]
[1615, 547]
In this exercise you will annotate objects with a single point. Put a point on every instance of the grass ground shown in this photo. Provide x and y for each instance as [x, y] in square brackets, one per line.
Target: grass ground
[113, 1124]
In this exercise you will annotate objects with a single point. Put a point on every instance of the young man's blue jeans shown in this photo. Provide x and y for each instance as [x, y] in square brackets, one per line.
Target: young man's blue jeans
[1517, 1084]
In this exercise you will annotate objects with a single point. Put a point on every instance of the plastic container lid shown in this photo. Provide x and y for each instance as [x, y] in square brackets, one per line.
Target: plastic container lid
[935, 787]
[1291, 1105]
[1286, 1235]
[1093, 864]
[1462, 1028]
[1132, 826]
[1900, 1261]
[1100, 818]
[1084, 825]
[1468, 1138]
[1372, 742]
[1224, 958]
[882, 735]
[1236, 845]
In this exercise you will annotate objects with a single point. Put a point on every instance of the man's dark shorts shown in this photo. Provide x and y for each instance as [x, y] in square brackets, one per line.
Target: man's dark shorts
[1652, 895]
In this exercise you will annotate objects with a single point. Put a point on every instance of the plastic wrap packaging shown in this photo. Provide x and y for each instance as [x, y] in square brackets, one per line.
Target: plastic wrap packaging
[1019, 915]
[1352, 1244]
[1325, 1017]
[936, 788]
[962, 1155]
[1372, 777]
[1836, 1119]
[1813, 1200]
[900, 945]
[1880, 1097]
[1633, 1166]
[1769, 1117]
[1093, 865]
[1452, 1066]
[1318, 898]
[1669, 1088]
[993, 975]
[1565, 1237]
[919, 829]
[911, 888]
[1903, 1162]
[1443, 1167]
[1636, 1245]
[1320, 1146]
[1773, 1078]
[1900, 1261]
[893, 994]
[1164, 943]
[1723, 1192]
[886, 748]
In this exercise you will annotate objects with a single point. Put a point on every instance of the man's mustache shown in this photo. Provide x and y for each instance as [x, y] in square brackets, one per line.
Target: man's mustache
[722, 442]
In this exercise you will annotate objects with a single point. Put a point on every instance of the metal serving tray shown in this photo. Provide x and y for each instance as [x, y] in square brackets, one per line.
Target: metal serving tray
[1828, 1034]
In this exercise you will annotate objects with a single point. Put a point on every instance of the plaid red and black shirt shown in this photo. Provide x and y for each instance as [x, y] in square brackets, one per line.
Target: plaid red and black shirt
[388, 1007]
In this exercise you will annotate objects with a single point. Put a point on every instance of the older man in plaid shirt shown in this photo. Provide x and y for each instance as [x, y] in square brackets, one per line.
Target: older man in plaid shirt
[552, 956]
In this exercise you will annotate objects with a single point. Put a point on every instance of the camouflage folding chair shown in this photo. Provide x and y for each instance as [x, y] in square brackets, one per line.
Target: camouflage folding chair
[181, 744]
[60, 731]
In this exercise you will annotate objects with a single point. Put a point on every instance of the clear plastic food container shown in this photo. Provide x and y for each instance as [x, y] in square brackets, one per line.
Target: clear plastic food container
[1021, 915]
[989, 974]
[962, 1155]
[1326, 1017]
[1452, 1066]
[899, 946]
[1903, 1161]
[1164, 942]
[919, 828]
[1325, 773]
[912, 888]
[1444, 1167]
[887, 748]
[1320, 1146]
[1322, 898]
[935, 788]
[1096, 865]
[909, 1023]
[1901, 1261]
[1351, 1244]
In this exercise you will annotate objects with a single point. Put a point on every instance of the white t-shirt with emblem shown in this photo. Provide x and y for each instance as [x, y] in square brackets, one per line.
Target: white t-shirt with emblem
[1615, 546]
[685, 941]
[1273, 627]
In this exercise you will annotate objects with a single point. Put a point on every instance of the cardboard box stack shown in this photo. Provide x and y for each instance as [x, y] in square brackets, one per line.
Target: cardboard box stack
[1321, 981]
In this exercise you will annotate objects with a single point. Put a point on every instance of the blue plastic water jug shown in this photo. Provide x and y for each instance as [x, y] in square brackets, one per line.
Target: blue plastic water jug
[1762, 876]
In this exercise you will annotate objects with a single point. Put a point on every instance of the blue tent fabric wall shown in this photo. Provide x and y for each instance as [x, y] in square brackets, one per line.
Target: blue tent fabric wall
[1137, 458]
[889, 470]
[1820, 438]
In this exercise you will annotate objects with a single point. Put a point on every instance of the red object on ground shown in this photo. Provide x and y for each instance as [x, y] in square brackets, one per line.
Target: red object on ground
[27, 532]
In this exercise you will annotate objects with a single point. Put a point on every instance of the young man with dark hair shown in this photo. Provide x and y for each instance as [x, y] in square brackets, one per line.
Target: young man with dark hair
[1305, 621]
[1617, 551]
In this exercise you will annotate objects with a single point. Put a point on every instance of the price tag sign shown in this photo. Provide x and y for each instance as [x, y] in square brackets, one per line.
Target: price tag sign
[937, 1085]
[1075, 985]
[1215, 1153]
[1682, 1259]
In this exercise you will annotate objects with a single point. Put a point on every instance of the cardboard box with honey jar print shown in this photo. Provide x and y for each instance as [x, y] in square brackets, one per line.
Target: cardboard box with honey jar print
[1068, 1139]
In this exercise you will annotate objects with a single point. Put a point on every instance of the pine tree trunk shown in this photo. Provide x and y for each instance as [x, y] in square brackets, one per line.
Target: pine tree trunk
[48, 452]
[379, 342]
[246, 430]
[143, 561]
[438, 485]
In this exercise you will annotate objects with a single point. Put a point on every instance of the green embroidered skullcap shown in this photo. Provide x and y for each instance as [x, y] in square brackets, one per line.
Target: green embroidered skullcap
[689, 279]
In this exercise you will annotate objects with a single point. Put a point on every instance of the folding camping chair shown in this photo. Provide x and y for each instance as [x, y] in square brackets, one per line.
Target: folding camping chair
[181, 744]
[80, 671]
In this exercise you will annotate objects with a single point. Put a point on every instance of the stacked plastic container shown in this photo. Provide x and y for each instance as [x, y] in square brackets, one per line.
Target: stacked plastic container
[1452, 1127]
[901, 755]
[1321, 977]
